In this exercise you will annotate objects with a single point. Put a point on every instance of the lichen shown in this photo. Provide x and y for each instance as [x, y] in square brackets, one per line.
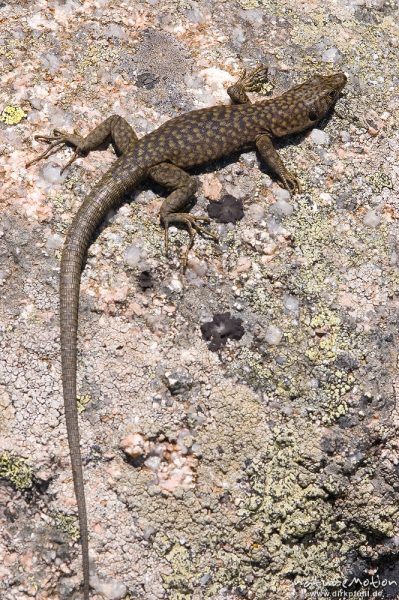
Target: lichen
[12, 115]
[248, 4]
[379, 181]
[82, 402]
[178, 581]
[15, 470]
[96, 54]
[311, 350]
[68, 524]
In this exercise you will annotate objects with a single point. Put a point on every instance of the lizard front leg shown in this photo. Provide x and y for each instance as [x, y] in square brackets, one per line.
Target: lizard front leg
[251, 82]
[274, 162]
[114, 130]
[184, 187]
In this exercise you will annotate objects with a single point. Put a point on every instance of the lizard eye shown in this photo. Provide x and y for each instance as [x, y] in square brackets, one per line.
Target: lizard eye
[312, 115]
[332, 95]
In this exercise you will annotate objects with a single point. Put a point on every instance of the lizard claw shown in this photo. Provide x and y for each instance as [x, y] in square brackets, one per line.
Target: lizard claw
[193, 227]
[56, 141]
[291, 183]
[55, 145]
[255, 79]
[74, 156]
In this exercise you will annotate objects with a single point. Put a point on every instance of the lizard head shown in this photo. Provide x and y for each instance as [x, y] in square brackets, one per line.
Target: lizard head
[320, 98]
[306, 104]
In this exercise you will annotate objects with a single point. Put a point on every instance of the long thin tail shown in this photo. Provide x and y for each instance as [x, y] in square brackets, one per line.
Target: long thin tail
[107, 194]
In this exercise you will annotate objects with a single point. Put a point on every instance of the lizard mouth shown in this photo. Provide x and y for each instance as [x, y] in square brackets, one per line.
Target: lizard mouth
[341, 80]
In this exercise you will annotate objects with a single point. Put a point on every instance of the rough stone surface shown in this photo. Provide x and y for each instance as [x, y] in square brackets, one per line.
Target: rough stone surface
[257, 470]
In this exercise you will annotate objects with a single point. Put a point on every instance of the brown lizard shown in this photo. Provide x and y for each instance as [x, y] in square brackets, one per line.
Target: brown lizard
[191, 139]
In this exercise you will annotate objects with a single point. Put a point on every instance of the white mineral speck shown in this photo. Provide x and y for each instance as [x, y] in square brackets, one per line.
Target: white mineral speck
[194, 82]
[266, 180]
[59, 118]
[132, 256]
[238, 36]
[198, 267]
[371, 218]
[111, 590]
[35, 21]
[319, 137]
[269, 248]
[195, 15]
[184, 441]
[51, 62]
[281, 194]
[249, 158]
[274, 227]
[153, 463]
[345, 136]
[291, 303]
[148, 532]
[281, 208]
[36, 102]
[174, 285]
[54, 241]
[253, 16]
[331, 55]
[196, 448]
[313, 383]
[273, 335]
[51, 173]
[256, 212]
[327, 198]
[115, 31]
[216, 78]
[34, 117]
[243, 264]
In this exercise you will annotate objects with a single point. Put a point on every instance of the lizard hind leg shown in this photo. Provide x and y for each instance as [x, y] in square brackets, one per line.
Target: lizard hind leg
[114, 130]
[183, 188]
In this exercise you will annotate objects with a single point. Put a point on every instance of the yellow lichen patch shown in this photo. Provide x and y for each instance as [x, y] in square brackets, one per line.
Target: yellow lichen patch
[179, 558]
[15, 470]
[82, 402]
[325, 349]
[95, 54]
[67, 524]
[12, 115]
[380, 180]
[248, 4]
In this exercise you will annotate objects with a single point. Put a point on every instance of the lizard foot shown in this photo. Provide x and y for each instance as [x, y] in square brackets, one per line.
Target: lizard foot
[291, 183]
[193, 227]
[57, 141]
[253, 81]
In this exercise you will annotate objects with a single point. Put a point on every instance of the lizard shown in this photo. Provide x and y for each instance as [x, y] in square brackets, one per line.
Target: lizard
[188, 140]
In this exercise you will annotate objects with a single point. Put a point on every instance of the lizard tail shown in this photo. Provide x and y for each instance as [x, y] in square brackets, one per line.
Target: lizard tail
[107, 194]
